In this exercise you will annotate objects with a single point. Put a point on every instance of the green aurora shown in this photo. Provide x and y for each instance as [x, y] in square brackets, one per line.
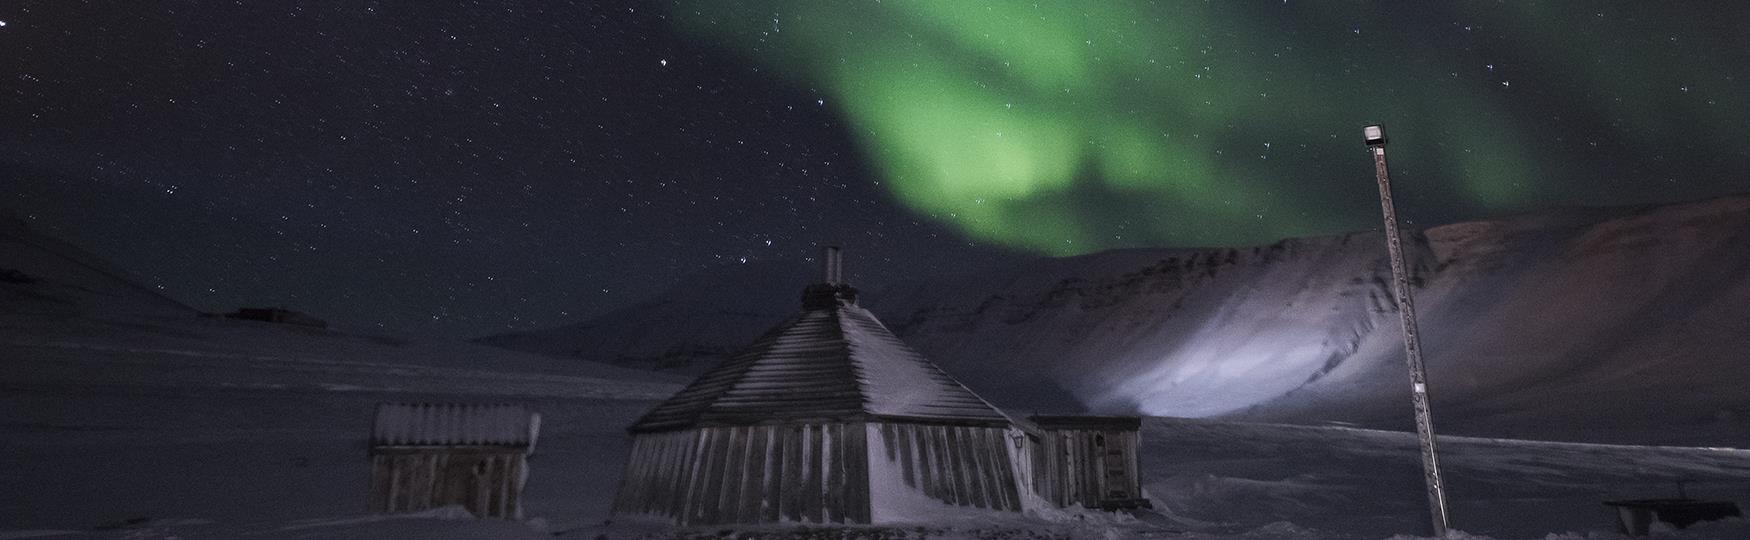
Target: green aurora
[1068, 127]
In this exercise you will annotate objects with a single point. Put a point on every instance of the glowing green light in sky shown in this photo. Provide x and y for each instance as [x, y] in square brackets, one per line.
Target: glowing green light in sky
[1066, 127]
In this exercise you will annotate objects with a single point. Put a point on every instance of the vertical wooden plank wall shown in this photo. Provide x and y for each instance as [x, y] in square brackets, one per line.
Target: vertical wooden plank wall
[1022, 456]
[1069, 468]
[1087, 469]
[958, 465]
[487, 483]
[1129, 441]
[816, 473]
[1045, 475]
[748, 474]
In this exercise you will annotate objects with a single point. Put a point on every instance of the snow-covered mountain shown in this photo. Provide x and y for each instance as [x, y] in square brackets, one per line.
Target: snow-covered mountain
[686, 330]
[1609, 324]
[45, 276]
[57, 301]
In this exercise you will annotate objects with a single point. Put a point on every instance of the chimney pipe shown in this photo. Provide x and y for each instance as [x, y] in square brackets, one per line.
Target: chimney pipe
[832, 264]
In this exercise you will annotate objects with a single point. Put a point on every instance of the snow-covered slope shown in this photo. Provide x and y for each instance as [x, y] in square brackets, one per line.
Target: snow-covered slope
[687, 330]
[1616, 324]
[1283, 481]
[1598, 325]
[116, 403]
[67, 318]
[41, 275]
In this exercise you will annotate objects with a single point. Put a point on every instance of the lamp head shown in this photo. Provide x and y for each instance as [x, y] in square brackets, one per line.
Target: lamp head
[1375, 135]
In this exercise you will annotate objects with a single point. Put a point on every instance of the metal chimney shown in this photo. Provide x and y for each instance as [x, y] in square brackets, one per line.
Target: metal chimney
[832, 266]
[832, 290]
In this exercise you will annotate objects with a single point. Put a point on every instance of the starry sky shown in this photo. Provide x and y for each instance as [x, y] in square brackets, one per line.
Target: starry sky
[436, 168]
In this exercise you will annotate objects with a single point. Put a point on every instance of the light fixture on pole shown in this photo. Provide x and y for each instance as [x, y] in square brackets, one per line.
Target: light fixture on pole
[1375, 137]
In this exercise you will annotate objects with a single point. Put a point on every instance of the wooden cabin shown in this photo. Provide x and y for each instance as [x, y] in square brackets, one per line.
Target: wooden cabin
[1085, 460]
[827, 418]
[426, 456]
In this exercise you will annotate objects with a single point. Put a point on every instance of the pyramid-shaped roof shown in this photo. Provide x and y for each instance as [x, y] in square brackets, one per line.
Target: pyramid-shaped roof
[832, 361]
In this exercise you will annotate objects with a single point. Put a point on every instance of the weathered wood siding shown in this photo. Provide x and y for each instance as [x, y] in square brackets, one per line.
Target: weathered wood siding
[958, 465]
[455, 424]
[798, 473]
[1027, 462]
[486, 481]
[1086, 467]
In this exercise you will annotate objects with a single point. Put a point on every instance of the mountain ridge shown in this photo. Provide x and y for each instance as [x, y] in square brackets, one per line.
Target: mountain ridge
[1523, 317]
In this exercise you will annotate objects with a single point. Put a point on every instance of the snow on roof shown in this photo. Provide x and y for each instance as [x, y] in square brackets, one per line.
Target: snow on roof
[453, 424]
[832, 361]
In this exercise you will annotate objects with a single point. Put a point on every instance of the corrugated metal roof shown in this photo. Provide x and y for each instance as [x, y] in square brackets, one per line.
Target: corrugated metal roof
[455, 424]
[834, 360]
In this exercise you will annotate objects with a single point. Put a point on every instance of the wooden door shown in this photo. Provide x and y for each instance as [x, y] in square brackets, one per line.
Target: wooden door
[1115, 466]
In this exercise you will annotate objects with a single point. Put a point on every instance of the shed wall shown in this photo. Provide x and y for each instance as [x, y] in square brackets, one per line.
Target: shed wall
[1092, 468]
[956, 465]
[800, 473]
[488, 482]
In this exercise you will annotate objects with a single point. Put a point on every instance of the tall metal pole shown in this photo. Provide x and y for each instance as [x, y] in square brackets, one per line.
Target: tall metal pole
[1412, 345]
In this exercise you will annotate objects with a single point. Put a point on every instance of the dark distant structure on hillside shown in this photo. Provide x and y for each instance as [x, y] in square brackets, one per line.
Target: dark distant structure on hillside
[426, 456]
[277, 315]
[8, 275]
[827, 418]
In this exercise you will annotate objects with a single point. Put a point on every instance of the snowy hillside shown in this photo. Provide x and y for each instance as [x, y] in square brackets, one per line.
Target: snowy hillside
[40, 275]
[1613, 325]
[686, 331]
[116, 403]
[1576, 325]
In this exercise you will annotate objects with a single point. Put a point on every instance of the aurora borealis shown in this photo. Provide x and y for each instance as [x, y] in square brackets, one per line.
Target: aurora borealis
[468, 168]
[1068, 127]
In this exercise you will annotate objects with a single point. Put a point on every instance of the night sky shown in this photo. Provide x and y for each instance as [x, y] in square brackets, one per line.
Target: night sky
[440, 169]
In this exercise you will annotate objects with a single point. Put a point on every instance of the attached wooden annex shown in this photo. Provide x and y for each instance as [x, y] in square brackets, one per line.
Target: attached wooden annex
[1085, 460]
[426, 456]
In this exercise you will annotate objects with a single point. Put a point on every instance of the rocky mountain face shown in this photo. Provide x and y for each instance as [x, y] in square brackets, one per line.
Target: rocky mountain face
[1616, 324]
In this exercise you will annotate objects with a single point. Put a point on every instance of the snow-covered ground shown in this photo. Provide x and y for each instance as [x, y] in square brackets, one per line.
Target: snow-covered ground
[258, 462]
[252, 427]
[1342, 482]
[125, 415]
[202, 428]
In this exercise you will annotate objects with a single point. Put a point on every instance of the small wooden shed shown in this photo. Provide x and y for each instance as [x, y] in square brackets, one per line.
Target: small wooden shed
[430, 455]
[1085, 460]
